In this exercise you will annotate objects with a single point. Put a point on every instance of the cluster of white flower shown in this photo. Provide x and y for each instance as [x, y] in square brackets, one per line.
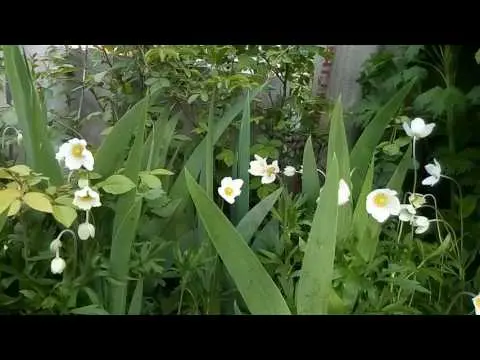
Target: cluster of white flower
[75, 155]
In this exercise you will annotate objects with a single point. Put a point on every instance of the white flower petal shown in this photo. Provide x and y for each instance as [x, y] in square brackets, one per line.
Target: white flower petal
[427, 130]
[406, 127]
[226, 181]
[381, 214]
[421, 224]
[343, 192]
[476, 304]
[85, 231]
[394, 205]
[418, 126]
[437, 164]
[430, 180]
[266, 179]
[289, 171]
[406, 212]
[237, 184]
[57, 265]
[88, 160]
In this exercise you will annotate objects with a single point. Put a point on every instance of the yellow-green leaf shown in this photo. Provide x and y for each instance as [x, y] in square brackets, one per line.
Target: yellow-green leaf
[5, 175]
[150, 180]
[7, 196]
[65, 215]
[38, 201]
[161, 172]
[64, 200]
[14, 207]
[117, 184]
[22, 170]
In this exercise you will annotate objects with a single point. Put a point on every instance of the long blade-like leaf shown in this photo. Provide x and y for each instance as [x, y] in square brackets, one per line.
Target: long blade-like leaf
[310, 180]
[32, 115]
[257, 288]
[243, 201]
[137, 297]
[125, 223]
[252, 220]
[365, 146]
[315, 284]
[111, 154]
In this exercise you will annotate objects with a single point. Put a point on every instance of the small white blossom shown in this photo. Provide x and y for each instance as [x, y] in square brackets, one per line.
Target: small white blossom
[382, 203]
[259, 167]
[417, 200]
[421, 224]
[418, 129]
[476, 304]
[230, 188]
[19, 138]
[435, 172]
[86, 198]
[407, 212]
[289, 171]
[57, 265]
[85, 231]
[55, 245]
[75, 154]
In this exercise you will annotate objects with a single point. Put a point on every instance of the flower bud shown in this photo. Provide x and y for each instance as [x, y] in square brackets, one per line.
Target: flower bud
[85, 231]
[57, 265]
[289, 171]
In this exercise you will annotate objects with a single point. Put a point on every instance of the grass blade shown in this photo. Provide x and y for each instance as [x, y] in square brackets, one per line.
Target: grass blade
[315, 284]
[32, 115]
[125, 223]
[136, 302]
[111, 154]
[243, 202]
[310, 180]
[365, 146]
[257, 288]
[252, 220]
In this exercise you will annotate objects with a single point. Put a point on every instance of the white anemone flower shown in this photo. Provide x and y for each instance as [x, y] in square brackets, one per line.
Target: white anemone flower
[476, 303]
[343, 192]
[407, 212]
[289, 171]
[57, 265]
[86, 198]
[382, 203]
[435, 172]
[230, 188]
[418, 129]
[421, 224]
[75, 154]
[271, 172]
[86, 231]
[258, 166]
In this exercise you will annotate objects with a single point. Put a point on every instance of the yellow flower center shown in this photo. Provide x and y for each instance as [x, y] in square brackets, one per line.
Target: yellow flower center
[86, 198]
[380, 200]
[228, 191]
[77, 150]
[270, 171]
[477, 302]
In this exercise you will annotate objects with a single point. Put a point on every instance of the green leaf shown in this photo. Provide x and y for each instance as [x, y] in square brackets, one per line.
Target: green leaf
[254, 218]
[477, 56]
[310, 181]
[469, 204]
[7, 196]
[257, 288]
[192, 98]
[65, 215]
[117, 184]
[137, 298]
[112, 152]
[161, 172]
[362, 152]
[38, 201]
[243, 201]
[90, 310]
[315, 284]
[31, 114]
[21, 170]
[150, 180]
[127, 214]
